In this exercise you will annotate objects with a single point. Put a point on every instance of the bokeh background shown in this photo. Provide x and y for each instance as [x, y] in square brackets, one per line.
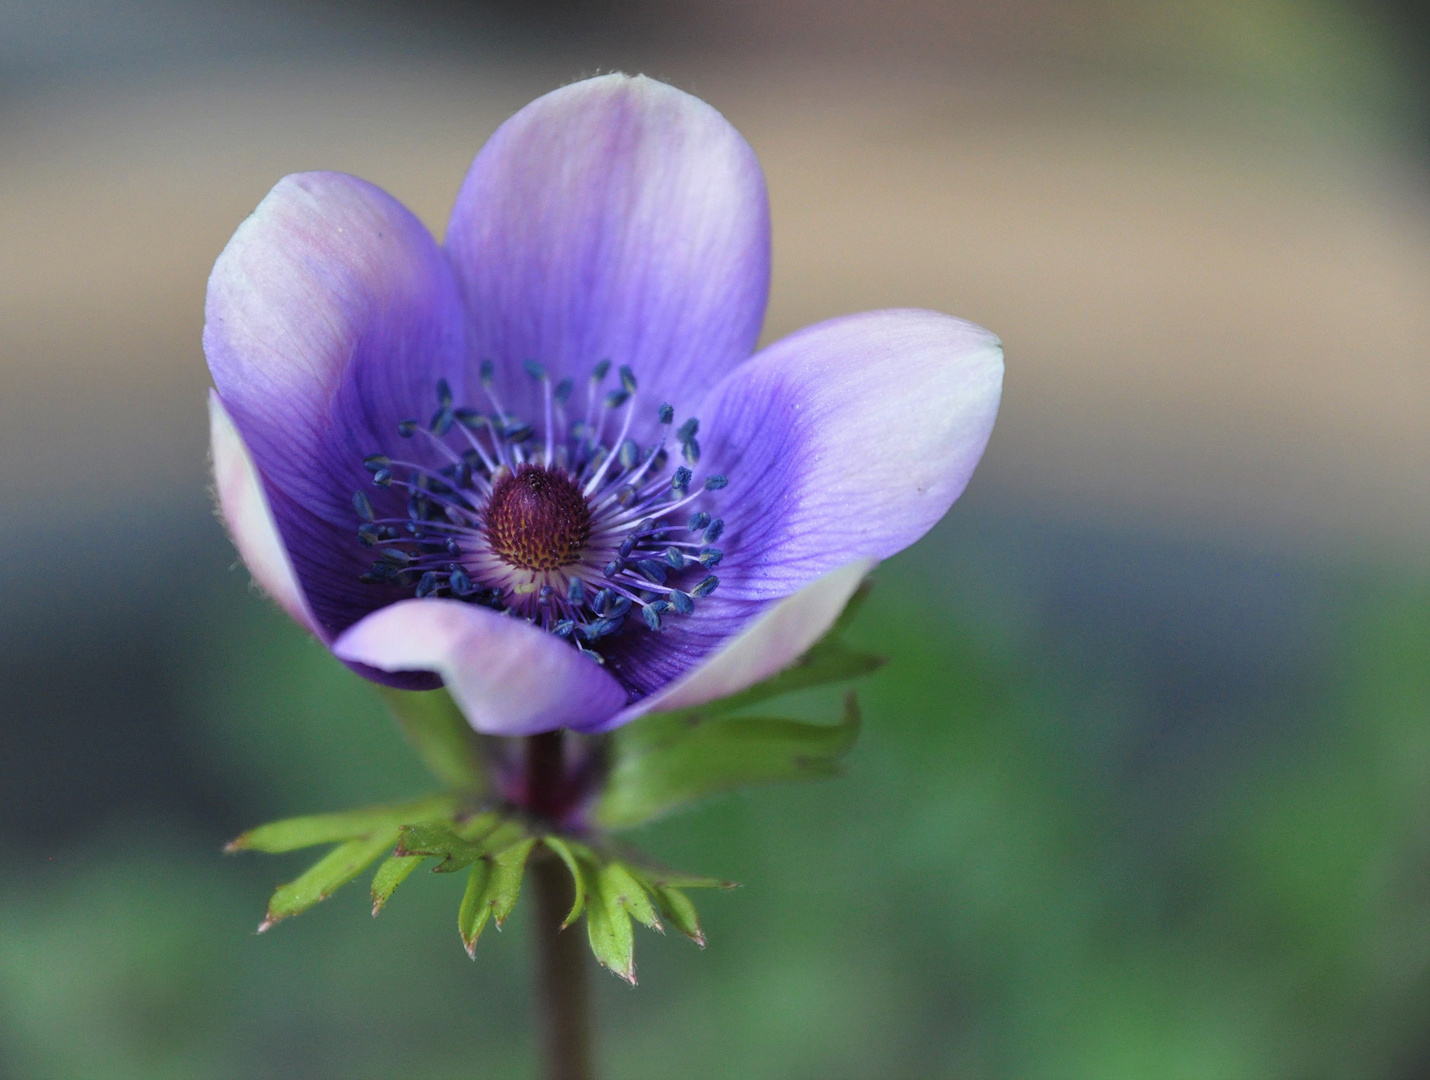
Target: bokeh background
[1145, 792]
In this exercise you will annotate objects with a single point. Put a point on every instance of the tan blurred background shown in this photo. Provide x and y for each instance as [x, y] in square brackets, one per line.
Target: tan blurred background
[1211, 275]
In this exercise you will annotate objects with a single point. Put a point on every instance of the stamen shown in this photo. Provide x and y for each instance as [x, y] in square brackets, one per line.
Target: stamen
[562, 526]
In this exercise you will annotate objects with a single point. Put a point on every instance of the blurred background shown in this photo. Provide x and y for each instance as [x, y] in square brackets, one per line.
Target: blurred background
[1145, 792]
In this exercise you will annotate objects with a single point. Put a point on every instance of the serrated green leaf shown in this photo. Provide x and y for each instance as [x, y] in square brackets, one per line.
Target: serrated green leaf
[472, 915]
[608, 925]
[654, 876]
[673, 761]
[578, 877]
[439, 842]
[291, 834]
[324, 877]
[631, 894]
[678, 909]
[441, 736]
[391, 872]
[504, 886]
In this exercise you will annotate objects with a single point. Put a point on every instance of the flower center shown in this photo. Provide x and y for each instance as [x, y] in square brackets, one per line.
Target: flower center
[537, 518]
[573, 525]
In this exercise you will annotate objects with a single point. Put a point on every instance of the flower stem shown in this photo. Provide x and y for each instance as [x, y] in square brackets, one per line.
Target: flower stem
[564, 1015]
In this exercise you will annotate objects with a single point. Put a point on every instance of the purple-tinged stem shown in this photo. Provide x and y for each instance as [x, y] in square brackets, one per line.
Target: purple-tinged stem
[563, 1010]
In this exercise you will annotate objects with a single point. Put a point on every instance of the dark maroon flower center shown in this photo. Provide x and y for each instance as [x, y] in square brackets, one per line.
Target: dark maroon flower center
[537, 518]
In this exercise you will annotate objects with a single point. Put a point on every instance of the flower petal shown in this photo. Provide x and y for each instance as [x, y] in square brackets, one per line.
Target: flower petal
[771, 642]
[843, 444]
[246, 513]
[331, 314]
[848, 440]
[507, 676]
[614, 218]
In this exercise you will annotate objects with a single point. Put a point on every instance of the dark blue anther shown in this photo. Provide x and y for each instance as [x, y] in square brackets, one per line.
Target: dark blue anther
[599, 371]
[630, 455]
[545, 595]
[687, 430]
[563, 628]
[627, 546]
[369, 534]
[453, 548]
[666, 412]
[428, 585]
[518, 430]
[407, 428]
[706, 587]
[674, 558]
[710, 557]
[716, 528]
[535, 370]
[646, 525]
[382, 478]
[653, 612]
[462, 474]
[444, 393]
[661, 457]
[469, 418]
[619, 608]
[602, 600]
[460, 582]
[716, 482]
[373, 462]
[690, 450]
[616, 398]
[612, 568]
[488, 369]
[378, 574]
[563, 390]
[441, 421]
[396, 555]
[362, 506]
[699, 520]
[652, 570]
[626, 495]
[576, 591]
[681, 480]
[682, 602]
[628, 379]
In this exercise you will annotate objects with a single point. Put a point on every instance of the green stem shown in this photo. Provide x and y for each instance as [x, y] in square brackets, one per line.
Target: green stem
[564, 1013]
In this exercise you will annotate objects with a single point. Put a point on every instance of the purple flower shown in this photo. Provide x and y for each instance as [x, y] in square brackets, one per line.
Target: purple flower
[480, 463]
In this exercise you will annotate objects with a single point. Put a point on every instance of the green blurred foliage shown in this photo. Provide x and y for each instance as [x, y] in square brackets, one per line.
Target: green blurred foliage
[1002, 885]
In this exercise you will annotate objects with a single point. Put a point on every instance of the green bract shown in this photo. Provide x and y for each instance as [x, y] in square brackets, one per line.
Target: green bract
[652, 766]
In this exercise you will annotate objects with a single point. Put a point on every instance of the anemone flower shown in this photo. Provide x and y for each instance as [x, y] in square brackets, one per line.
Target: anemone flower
[541, 463]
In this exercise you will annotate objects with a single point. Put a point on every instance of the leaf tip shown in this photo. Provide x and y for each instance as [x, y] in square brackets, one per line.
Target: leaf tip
[267, 924]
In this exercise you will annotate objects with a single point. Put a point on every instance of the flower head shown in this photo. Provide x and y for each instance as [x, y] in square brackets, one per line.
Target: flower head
[539, 463]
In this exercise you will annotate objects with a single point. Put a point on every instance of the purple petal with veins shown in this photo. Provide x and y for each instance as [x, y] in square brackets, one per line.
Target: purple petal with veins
[542, 464]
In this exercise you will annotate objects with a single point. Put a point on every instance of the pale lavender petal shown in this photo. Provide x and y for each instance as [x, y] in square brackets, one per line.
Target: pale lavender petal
[848, 440]
[769, 642]
[331, 315]
[507, 676]
[614, 218]
[843, 444]
[245, 511]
